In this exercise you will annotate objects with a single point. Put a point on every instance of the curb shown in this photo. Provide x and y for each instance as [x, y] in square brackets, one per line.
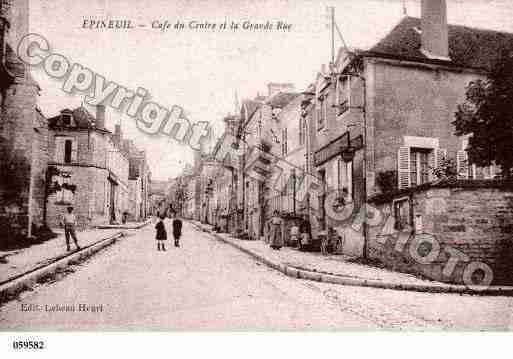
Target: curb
[27, 280]
[113, 226]
[359, 282]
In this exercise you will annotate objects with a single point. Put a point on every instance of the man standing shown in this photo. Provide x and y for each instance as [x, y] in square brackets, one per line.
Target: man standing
[177, 231]
[69, 220]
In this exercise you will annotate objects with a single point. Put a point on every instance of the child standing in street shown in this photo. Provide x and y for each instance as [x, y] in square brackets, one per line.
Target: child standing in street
[177, 231]
[69, 221]
[161, 233]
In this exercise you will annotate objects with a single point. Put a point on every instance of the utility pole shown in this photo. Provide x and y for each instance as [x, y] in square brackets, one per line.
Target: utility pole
[332, 25]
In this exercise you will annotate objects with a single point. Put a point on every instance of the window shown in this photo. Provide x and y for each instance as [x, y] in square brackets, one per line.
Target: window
[402, 213]
[66, 119]
[415, 164]
[65, 150]
[345, 180]
[419, 166]
[302, 131]
[68, 149]
[284, 148]
[343, 94]
[321, 112]
[467, 170]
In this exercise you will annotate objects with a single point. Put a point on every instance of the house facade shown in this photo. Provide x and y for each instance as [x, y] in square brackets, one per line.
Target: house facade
[89, 169]
[383, 122]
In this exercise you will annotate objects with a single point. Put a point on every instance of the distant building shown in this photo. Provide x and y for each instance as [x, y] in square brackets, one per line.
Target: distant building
[138, 181]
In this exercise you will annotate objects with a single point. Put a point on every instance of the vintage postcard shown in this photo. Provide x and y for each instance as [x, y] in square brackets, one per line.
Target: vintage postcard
[259, 165]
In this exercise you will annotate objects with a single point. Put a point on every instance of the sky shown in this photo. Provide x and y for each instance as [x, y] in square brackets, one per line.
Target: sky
[202, 71]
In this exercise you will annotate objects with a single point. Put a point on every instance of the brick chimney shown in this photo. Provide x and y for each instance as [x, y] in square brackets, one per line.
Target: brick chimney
[434, 36]
[100, 116]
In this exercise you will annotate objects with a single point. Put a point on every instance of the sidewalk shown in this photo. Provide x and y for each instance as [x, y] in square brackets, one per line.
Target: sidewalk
[339, 269]
[16, 262]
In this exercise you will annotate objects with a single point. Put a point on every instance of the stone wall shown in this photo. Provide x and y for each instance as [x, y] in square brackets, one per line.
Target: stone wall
[471, 220]
[40, 159]
[17, 118]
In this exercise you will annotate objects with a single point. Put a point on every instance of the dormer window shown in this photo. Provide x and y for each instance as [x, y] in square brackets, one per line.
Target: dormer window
[66, 119]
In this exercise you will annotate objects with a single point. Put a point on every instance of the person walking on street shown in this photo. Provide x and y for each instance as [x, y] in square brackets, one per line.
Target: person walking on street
[161, 235]
[306, 234]
[69, 222]
[177, 231]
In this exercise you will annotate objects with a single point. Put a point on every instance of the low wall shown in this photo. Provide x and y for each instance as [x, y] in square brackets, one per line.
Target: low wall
[471, 223]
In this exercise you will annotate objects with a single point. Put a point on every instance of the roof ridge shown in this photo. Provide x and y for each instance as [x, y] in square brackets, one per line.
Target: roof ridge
[461, 26]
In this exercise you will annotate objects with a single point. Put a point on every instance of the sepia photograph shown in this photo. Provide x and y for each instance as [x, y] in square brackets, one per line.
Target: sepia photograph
[255, 166]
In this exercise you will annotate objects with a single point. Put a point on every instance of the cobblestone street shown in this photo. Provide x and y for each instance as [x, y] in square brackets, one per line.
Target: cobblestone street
[208, 285]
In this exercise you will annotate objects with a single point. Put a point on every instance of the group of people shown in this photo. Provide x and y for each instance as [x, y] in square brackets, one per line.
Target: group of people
[300, 232]
[161, 232]
[69, 222]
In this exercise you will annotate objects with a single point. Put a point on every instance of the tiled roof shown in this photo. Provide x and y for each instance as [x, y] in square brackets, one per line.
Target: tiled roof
[468, 47]
[251, 106]
[83, 119]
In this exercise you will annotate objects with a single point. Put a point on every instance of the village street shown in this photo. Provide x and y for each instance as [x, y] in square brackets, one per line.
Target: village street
[208, 285]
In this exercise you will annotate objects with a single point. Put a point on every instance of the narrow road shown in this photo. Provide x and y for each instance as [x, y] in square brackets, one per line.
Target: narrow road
[208, 285]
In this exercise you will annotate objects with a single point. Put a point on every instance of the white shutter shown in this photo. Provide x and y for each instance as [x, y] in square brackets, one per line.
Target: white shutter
[493, 170]
[403, 167]
[439, 155]
[432, 163]
[74, 151]
[59, 150]
[462, 166]
[473, 171]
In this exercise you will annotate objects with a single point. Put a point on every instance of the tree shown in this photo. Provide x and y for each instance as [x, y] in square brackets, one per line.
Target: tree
[487, 115]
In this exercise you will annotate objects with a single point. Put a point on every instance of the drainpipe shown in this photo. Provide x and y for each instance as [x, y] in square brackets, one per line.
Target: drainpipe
[363, 108]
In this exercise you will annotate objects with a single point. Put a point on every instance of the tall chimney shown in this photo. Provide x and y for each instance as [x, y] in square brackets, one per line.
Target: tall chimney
[100, 116]
[434, 36]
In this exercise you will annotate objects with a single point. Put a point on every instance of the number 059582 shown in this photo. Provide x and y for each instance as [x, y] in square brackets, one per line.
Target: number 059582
[27, 345]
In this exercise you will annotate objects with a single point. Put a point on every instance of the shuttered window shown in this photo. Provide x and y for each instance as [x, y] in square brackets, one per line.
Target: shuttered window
[467, 170]
[403, 167]
[284, 148]
[66, 150]
[302, 131]
[415, 165]
[59, 150]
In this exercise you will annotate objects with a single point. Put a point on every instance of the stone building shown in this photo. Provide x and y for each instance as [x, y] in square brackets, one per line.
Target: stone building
[262, 131]
[23, 132]
[383, 119]
[90, 169]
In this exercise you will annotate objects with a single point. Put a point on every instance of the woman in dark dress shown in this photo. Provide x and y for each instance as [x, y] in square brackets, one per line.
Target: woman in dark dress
[161, 233]
[276, 231]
